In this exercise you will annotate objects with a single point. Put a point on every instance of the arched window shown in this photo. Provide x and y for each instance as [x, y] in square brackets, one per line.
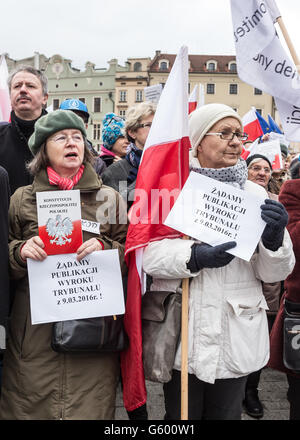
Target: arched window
[232, 67]
[211, 65]
[137, 67]
[163, 65]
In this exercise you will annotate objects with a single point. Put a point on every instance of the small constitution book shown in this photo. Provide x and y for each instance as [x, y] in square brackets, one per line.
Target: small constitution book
[59, 221]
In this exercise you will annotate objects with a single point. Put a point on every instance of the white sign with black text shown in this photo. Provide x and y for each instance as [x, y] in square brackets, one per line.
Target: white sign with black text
[215, 213]
[62, 288]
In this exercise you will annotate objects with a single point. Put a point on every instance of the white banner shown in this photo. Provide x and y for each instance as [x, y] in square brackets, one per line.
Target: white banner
[262, 61]
[270, 149]
[253, 28]
[152, 93]
[290, 119]
[216, 213]
[274, 11]
[62, 288]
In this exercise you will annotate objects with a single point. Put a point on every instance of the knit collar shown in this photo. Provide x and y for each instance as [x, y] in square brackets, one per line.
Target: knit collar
[235, 175]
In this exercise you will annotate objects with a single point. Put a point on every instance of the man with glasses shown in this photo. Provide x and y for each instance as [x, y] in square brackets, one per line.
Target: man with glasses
[28, 88]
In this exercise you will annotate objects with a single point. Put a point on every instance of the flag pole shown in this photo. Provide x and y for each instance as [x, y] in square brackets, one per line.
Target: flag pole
[184, 345]
[289, 42]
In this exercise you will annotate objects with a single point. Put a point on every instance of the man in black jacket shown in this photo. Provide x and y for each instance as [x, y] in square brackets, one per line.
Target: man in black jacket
[28, 95]
[4, 277]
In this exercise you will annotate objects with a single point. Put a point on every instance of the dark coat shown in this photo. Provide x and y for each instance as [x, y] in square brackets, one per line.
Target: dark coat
[14, 151]
[39, 383]
[4, 276]
[116, 176]
[289, 196]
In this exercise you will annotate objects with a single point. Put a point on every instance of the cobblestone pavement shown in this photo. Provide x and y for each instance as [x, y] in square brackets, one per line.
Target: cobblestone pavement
[272, 393]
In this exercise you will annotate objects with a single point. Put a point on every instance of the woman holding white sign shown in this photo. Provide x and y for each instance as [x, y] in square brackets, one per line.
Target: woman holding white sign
[38, 382]
[228, 332]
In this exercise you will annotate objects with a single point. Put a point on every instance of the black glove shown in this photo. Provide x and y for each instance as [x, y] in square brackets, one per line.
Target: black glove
[276, 217]
[204, 255]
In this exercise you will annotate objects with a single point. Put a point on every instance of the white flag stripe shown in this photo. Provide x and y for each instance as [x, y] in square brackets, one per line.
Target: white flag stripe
[165, 129]
[5, 107]
[194, 95]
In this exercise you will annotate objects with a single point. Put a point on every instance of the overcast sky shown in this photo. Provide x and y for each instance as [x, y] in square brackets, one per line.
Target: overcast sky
[98, 30]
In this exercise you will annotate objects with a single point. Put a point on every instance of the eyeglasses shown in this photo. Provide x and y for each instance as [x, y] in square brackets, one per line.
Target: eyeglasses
[147, 124]
[62, 138]
[229, 135]
[257, 169]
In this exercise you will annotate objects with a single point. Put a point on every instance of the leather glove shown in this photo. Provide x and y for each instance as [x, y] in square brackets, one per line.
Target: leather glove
[276, 217]
[204, 255]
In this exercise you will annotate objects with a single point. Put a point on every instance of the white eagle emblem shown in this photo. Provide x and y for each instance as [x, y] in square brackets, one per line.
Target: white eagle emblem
[59, 229]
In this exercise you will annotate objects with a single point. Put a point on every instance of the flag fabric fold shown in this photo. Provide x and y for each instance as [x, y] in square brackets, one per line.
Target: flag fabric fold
[5, 107]
[193, 99]
[162, 173]
[263, 123]
[273, 126]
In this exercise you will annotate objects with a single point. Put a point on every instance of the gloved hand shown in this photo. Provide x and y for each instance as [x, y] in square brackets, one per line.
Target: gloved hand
[276, 217]
[204, 255]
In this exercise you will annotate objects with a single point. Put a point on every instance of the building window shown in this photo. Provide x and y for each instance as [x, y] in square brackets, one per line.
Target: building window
[257, 91]
[139, 95]
[82, 100]
[210, 89]
[122, 113]
[97, 105]
[55, 104]
[233, 89]
[97, 132]
[211, 66]
[259, 110]
[137, 67]
[232, 67]
[162, 85]
[163, 65]
[123, 95]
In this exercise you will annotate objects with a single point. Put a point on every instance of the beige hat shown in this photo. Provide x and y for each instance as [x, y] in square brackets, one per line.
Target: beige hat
[203, 118]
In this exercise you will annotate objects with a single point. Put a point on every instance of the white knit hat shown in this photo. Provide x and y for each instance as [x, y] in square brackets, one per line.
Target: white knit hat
[203, 118]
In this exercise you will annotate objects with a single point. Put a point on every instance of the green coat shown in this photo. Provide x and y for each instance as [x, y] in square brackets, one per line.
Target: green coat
[39, 383]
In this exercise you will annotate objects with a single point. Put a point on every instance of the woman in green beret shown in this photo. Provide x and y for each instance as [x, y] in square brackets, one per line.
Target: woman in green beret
[39, 383]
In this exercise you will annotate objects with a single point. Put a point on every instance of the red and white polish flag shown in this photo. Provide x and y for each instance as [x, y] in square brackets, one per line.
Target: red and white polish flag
[162, 173]
[251, 125]
[5, 107]
[193, 99]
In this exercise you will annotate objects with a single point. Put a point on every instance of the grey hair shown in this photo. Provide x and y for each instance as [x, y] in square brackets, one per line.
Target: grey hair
[38, 73]
[136, 113]
[41, 160]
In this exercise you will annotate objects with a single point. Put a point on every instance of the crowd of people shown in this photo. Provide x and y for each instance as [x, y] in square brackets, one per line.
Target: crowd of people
[236, 307]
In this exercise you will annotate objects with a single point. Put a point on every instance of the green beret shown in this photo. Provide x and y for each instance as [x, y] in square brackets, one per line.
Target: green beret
[52, 123]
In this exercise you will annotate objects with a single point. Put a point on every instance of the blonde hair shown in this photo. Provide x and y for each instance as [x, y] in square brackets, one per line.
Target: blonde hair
[136, 113]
